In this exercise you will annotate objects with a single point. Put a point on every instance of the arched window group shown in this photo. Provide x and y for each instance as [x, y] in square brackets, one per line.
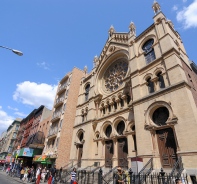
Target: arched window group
[114, 104]
[155, 84]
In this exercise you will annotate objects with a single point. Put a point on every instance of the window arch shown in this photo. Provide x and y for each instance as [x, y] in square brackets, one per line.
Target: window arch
[150, 85]
[120, 127]
[81, 135]
[149, 51]
[161, 80]
[87, 90]
[108, 131]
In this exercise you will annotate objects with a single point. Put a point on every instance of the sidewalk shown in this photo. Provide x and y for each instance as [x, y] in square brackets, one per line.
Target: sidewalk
[18, 179]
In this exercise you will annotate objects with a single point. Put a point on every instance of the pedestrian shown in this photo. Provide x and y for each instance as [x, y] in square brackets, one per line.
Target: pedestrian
[53, 173]
[44, 172]
[50, 178]
[38, 178]
[178, 181]
[120, 176]
[26, 173]
[22, 172]
[38, 171]
[73, 176]
[60, 174]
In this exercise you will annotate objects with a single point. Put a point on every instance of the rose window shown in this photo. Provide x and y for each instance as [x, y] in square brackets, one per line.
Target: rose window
[115, 74]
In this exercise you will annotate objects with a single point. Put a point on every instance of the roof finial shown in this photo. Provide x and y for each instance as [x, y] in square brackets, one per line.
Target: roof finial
[156, 7]
[111, 30]
[85, 69]
[96, 61]
[132, 29]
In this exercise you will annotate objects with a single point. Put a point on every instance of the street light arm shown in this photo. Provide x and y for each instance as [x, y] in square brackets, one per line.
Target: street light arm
[19, 53]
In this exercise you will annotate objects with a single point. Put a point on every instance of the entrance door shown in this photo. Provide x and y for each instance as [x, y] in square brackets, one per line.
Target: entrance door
[122, 152]
[167, 147]
[80, 153]
[109, 151]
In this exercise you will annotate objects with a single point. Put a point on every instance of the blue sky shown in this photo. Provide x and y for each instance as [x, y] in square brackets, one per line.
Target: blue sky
[56, 35]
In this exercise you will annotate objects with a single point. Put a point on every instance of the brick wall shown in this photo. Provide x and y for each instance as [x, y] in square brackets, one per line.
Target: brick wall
[192, 80]
[69, 118]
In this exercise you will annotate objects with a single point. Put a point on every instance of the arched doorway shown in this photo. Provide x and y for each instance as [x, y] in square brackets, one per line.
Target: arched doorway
[109, 147]
[122, 152]
[165, 138]
[122, 146]
[109, 152]
[167, 147]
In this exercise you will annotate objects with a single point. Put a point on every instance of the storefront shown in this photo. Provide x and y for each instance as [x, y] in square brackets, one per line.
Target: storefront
[42, 159]
[27, 154]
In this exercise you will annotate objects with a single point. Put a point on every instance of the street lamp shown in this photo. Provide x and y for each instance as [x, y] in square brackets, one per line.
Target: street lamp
[19, 53]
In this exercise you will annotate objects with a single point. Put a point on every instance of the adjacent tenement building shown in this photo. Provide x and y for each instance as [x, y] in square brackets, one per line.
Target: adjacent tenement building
[59, 138]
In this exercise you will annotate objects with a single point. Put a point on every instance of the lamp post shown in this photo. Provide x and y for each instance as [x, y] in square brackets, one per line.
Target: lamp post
[19, 53]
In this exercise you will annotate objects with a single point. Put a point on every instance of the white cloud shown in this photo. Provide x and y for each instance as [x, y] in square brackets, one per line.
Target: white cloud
[43, 65]
[21, 114]
[12, 108]
[34, 94]
[5, 120]
[174, 8]
[188, 16]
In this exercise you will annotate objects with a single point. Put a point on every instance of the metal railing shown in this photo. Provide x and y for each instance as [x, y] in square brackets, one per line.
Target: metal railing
[53, 130]
[128, 177]
[62, 87]
[178, 167]
[59, 100]
[148, 167]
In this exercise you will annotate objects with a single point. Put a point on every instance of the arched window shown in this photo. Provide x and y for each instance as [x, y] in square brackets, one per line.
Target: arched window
[121, 102]
[161, 80]
[115, 105]
[87, 90]
[149, 51]
[81, 137]
[108, 131]
[150, 85]
[128, 98]
[121, 127]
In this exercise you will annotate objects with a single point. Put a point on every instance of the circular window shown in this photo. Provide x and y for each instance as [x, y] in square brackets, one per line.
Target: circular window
[113, 77]
[108, 131]
[81, 137]
[160, 116]
[121, 127]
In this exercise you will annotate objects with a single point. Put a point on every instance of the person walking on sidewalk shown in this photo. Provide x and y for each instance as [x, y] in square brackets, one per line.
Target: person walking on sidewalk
[53, 173]
[73, 176]
[38, 178]
[22, 173]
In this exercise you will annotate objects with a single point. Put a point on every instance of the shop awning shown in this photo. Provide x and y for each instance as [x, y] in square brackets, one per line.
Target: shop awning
[28, 152]
[43, 159]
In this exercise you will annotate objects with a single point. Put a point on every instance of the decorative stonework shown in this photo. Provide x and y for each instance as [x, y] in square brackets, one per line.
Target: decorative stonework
[132, 29]
[150, 124]
[115, 74]
[156, 7]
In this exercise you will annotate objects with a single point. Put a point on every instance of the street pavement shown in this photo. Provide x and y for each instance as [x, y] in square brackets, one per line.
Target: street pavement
[4, 179]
